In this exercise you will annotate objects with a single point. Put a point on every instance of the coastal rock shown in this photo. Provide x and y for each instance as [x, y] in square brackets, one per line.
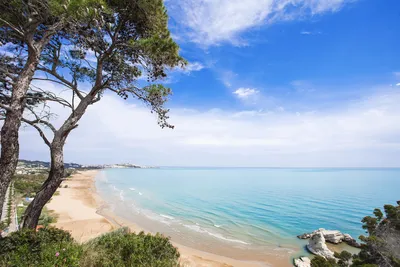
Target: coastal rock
[351, 241]
[302, 262]
[332, 236]
[317, 246]
[304, 236]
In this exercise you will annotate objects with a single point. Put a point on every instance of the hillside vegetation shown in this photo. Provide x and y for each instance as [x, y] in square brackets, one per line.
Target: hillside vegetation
[55, 247]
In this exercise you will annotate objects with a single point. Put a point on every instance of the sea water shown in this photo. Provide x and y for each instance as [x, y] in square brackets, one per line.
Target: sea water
[247, 207]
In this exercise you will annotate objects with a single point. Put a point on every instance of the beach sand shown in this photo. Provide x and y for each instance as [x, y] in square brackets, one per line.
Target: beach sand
[81, 212]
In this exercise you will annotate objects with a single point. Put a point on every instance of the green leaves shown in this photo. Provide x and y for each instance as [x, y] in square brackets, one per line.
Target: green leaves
[55, 247]
[378, 214]
[381, 247]
[31, 248]
[77, 9]
[122, 248]
[370, 224]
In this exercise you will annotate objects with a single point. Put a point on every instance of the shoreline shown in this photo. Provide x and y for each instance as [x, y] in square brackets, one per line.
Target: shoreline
[83, 213]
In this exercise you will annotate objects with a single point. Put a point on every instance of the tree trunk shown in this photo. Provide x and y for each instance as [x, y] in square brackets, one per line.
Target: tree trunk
[12, 123]
[56, 175]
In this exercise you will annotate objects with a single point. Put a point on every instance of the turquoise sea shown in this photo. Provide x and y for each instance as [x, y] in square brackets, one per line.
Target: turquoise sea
[248, 208]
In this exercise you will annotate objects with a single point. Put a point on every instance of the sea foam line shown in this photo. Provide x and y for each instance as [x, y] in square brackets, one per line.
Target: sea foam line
[198, 229]
[167, 216]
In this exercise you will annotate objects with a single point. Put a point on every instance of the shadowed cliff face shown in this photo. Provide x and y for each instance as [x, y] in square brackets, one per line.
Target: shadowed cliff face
[389, 247]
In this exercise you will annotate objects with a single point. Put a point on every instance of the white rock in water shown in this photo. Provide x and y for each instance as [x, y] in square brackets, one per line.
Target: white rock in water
[332, 236]
[317, 246]
[302, 262]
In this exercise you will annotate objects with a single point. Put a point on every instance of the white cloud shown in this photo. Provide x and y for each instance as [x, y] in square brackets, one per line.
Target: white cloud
[193, 66]
[310, 32]
[397, 84]
[227, 78]
[245, 93]
[363, 133]
[210, 22]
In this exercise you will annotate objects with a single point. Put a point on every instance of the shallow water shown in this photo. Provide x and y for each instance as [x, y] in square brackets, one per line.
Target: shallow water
[247, 207]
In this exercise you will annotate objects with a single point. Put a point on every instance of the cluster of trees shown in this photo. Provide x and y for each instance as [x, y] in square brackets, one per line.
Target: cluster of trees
[381, 248]
[89, 47]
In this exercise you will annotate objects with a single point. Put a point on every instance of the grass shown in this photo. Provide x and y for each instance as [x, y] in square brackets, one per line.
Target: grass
[9, 206]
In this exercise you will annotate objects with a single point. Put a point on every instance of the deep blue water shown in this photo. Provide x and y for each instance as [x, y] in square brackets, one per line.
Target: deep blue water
[257, 206]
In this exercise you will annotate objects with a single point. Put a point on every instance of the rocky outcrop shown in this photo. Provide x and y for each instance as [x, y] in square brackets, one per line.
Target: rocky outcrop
[316, 245]
[351, 241]
[332, 236]
[302, 262]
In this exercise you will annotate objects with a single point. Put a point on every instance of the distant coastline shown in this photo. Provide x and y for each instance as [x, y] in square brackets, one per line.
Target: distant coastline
[38, 167]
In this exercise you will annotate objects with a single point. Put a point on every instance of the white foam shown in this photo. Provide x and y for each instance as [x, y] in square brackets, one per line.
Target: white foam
[198, 229]
[159, 218]
[289, 251]
[167, 216]
[140, 193]
[228, 239]
[217, 225]
[132, 188]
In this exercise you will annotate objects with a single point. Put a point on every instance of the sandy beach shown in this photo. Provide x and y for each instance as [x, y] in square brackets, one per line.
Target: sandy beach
[81, 212]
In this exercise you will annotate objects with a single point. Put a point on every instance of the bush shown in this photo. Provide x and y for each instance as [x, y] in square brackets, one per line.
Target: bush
[55, 247]
[46, 247]
[122, 248]
[46, 219]
[3, 226]
[319, 261]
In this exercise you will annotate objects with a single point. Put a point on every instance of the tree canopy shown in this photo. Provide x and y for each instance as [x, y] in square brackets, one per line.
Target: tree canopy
[126, 42]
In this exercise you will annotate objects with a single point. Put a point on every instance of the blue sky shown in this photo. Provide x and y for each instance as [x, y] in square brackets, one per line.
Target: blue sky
[330, 52]
[278, 83]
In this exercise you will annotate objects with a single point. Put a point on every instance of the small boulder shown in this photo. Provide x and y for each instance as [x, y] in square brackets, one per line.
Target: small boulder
[302, 262]
[317, 246]
[351, 241]
[304, 236]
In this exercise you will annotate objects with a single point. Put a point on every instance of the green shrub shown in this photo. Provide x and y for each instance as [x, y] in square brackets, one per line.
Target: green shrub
[46, 247]
[319, 261]
[54, 247]
[28, 184]
[2, 226]
[122, 248]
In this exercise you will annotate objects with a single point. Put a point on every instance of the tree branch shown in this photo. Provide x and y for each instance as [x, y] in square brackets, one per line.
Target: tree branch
[63, 81]
[41, 133]
[13, 27]
[5, 107]
[41, 121]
